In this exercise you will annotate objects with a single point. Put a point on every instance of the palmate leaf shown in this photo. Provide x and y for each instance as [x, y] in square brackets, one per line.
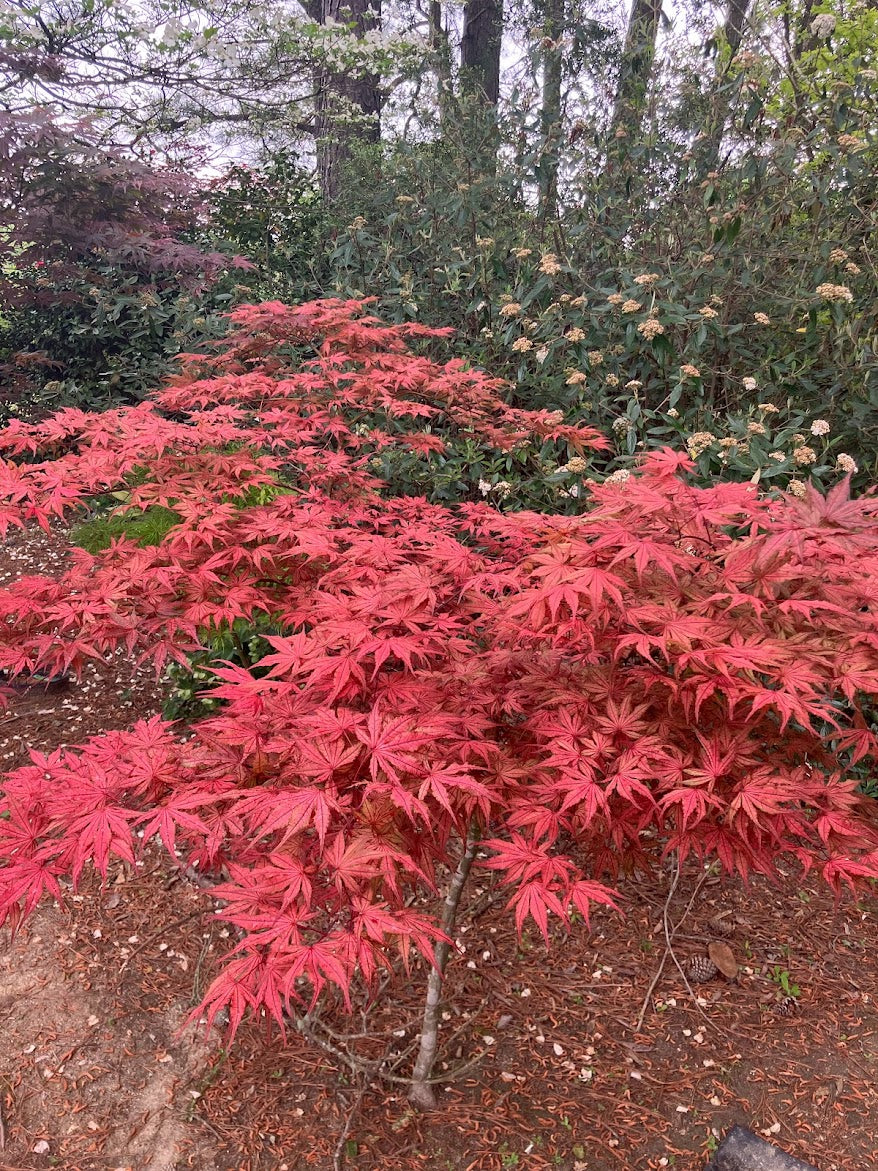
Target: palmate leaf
[24, 882]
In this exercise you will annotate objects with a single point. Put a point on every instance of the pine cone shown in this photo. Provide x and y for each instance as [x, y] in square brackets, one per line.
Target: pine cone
[789, 1006]
[721, 926]
[700, 969]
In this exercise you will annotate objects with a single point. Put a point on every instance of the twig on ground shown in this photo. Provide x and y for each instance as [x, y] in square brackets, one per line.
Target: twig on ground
[670, 951]
[670, 933]
[158, 934]
[338, 1155]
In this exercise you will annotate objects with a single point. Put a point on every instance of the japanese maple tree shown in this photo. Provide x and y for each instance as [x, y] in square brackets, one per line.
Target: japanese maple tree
[98, 268]
[448, 686]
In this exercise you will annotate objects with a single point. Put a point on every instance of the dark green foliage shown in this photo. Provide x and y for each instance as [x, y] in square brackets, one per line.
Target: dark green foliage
[242, 643]
[272, 215]
[100, 280]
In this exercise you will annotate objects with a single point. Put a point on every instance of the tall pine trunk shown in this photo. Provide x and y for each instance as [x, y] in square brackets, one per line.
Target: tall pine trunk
[551, 114]
[720, 106]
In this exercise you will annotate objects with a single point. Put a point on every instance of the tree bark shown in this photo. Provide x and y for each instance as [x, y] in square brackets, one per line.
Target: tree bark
[635, 72]
[480, 49]
[421, 1091]
[551, 114]
[737, 12]
[736, 19]
[442, 56]
[341, 95]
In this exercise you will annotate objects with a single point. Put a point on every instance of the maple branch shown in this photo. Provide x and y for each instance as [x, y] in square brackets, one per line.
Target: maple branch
[421, 1093]
[304, 1026]
[374, 1068]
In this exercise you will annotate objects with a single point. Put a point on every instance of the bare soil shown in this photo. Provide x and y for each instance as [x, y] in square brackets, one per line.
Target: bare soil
[96, 1072]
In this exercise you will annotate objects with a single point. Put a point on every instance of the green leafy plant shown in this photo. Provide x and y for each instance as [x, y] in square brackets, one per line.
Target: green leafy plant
[781, 977]
[146, 528]
[242, 643]
[100, 279]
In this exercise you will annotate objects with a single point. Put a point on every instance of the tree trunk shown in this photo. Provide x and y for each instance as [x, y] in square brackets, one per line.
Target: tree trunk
[736, 19]
[635, 72]
[421, 1092]
[442, 56]
[720, 104]
[551, 114]
[480, 49]
[348, 104]
[480, 84]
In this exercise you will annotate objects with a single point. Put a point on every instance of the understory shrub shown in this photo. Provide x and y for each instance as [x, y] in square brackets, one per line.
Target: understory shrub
[674, 310]
[148, 527]
[446, 686]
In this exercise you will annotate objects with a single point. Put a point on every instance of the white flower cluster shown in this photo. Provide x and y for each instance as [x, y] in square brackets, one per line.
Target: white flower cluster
[502, 488]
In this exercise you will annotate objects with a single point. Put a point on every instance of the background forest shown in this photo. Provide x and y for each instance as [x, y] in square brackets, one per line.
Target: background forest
[657, 220]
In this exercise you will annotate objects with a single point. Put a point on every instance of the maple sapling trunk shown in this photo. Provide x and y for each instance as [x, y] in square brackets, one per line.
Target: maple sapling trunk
[421, 1093]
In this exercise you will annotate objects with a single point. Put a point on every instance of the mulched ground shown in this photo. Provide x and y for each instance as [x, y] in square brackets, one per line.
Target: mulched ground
[94, 1073]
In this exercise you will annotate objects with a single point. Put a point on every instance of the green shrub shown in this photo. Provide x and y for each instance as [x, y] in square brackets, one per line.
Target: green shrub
[149, 527]
[242, 643]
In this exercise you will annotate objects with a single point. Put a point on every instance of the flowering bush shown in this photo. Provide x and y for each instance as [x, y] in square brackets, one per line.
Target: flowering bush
[679, 311]
[525, 691]
[651, 362]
